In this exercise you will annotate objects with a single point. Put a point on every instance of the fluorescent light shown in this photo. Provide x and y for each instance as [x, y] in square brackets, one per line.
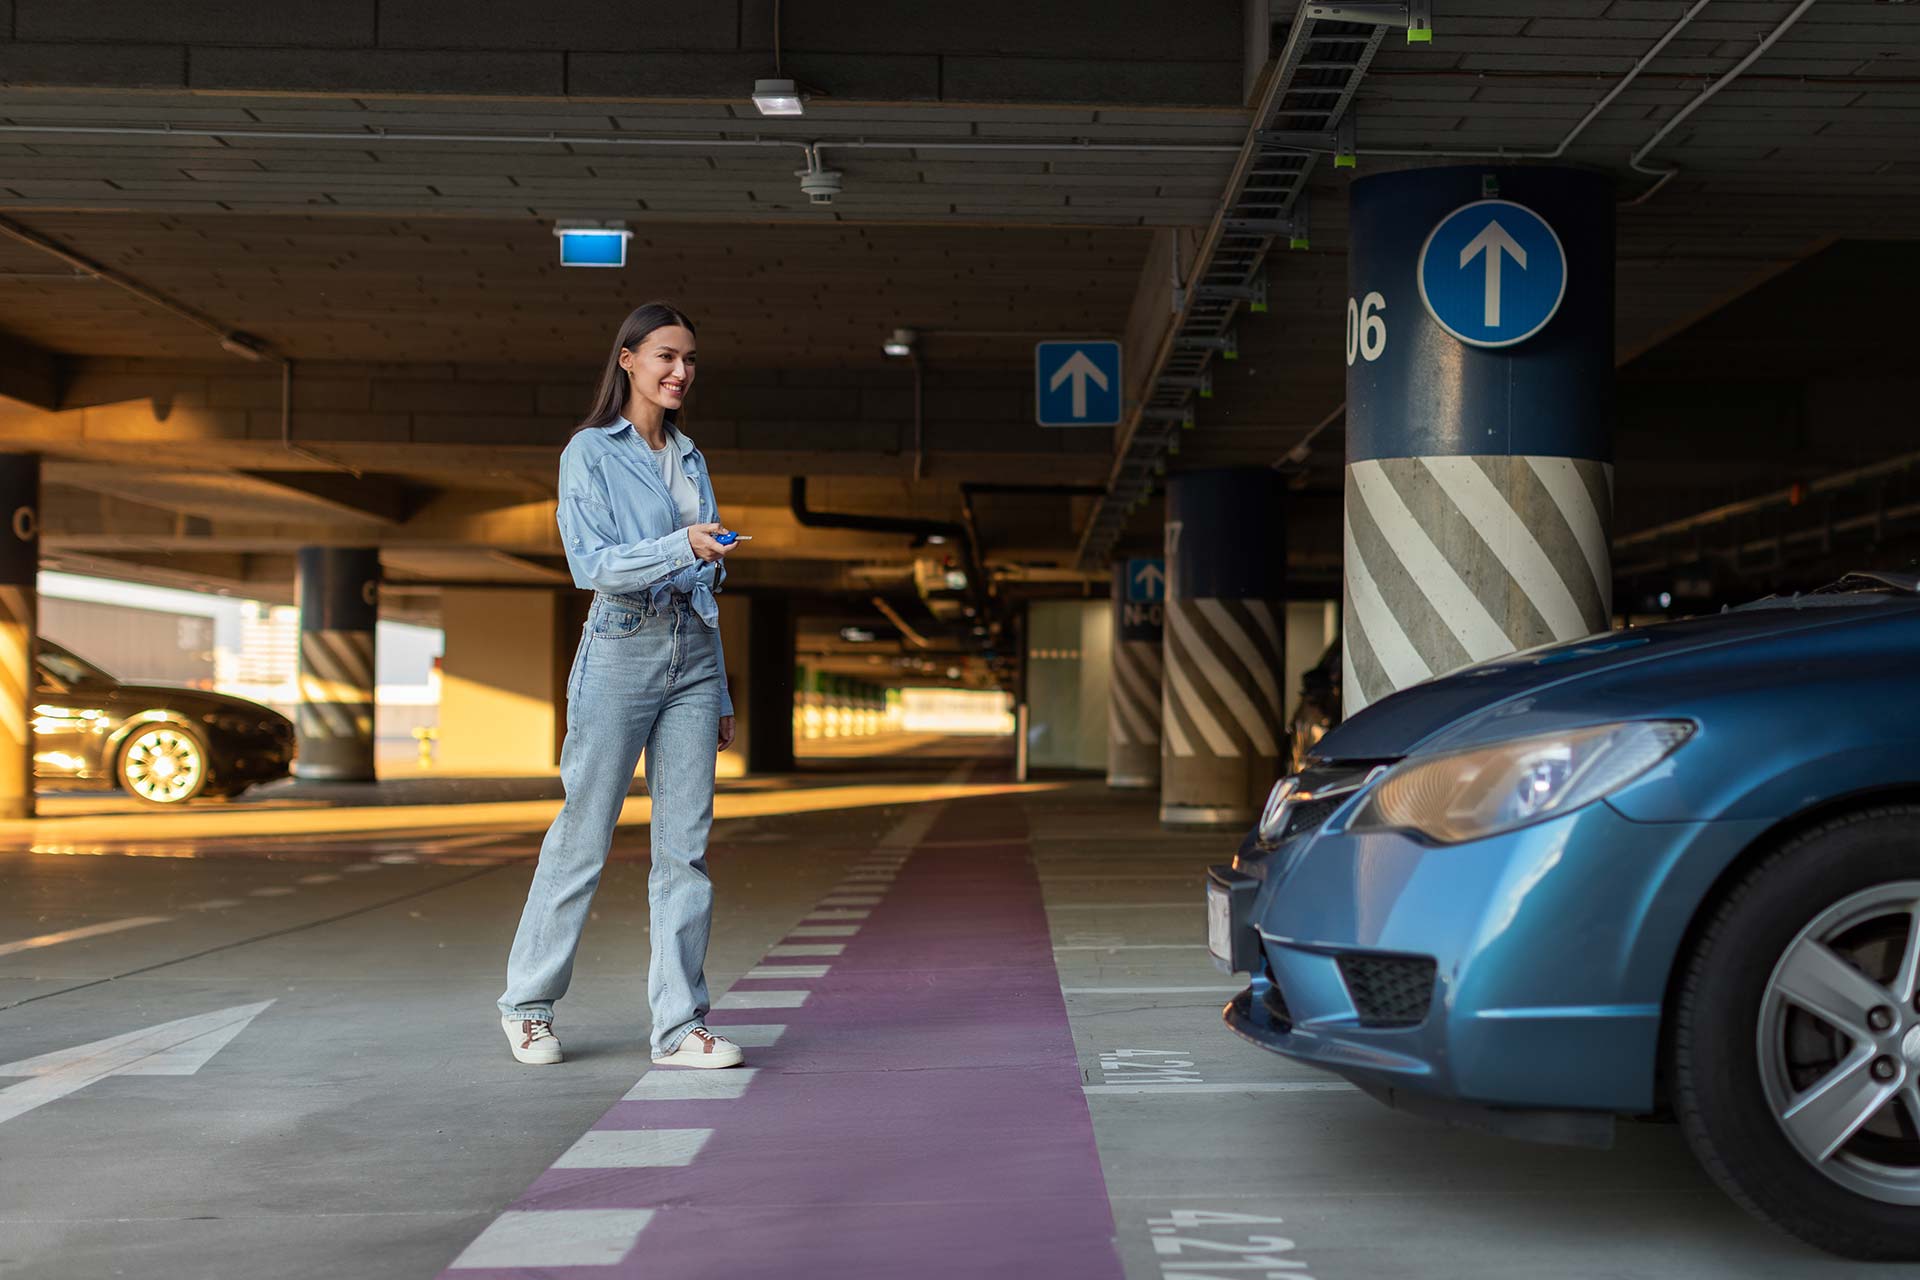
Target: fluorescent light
[777, 98]
[591, 245]
[900, 344]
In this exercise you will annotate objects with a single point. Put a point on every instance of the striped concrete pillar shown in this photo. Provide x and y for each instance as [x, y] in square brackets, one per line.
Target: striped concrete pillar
[1133, 692]
[1222, 740]
[1479, 482]
[19, 625]
[339, 592]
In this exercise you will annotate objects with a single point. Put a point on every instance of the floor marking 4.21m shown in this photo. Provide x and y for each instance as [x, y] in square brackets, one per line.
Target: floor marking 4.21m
[1209, 1244]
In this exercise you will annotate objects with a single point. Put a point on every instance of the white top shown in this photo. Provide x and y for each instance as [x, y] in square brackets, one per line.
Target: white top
[674, 476]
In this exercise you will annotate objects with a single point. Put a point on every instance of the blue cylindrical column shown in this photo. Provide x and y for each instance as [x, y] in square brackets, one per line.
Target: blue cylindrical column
[1221, 735]
[339, 593]
[1479, 483]
[19, 627]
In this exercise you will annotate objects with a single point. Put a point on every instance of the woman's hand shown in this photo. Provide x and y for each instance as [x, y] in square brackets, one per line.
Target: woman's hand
[726, 732]
[701, 537]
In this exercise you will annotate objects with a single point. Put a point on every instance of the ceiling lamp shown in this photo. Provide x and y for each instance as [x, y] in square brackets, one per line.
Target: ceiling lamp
[900, 344]
[777, 98]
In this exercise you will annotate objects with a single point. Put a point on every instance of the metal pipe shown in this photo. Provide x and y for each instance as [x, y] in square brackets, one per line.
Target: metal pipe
[1298, 454]
[807, 147]
[810, 519]
[892, 615]
[1620, 87]
[1779, 497]
[919, 451]
[1733, 73]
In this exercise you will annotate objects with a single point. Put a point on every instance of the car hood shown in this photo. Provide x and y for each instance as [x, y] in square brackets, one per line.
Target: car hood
[1469, 707]
[193, 702]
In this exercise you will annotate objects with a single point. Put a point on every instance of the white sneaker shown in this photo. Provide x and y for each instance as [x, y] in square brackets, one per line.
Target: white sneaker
[532, 1040]
[702, 1048]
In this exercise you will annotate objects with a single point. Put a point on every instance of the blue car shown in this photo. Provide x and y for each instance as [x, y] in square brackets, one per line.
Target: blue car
[1671, 871]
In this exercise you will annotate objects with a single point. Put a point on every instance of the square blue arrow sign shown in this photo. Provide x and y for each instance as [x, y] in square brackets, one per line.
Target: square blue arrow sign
[1076, 384]
[1147, 581]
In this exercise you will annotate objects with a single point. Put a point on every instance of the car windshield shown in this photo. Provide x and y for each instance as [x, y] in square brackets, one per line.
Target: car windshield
[1852, 590]
[71, 669]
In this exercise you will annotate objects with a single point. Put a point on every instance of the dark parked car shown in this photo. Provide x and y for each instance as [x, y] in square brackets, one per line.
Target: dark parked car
[1674, 869]
[1318, 710]
[160, 745]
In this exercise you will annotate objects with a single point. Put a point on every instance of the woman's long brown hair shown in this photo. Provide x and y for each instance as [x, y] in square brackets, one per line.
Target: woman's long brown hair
[610, 401]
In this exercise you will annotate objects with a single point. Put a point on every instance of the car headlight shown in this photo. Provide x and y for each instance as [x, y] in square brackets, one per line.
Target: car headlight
[1469, 795]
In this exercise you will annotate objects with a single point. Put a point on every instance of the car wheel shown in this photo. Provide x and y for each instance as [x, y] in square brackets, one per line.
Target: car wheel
[1796, 1037]
[165, 764]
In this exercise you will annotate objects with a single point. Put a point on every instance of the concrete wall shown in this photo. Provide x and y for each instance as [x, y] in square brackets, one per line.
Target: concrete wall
[503, 681]
[735, 610]
[1069, 662]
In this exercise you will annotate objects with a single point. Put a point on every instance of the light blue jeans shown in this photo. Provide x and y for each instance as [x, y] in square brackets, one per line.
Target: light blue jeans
[648, 680]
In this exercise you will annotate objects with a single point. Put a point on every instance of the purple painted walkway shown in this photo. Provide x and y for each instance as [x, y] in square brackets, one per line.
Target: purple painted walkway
[921, 1115]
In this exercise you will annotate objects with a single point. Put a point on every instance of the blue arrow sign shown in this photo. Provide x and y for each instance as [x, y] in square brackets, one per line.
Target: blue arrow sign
[1493, 273]
[1076, 384]
[1147, 581]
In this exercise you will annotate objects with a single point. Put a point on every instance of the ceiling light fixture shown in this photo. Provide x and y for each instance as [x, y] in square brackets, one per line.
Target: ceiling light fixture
[777, 98]
[900, 344]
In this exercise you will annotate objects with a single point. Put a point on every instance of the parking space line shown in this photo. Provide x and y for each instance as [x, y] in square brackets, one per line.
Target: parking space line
[270, 891]
[212, 904]
[691, 1086]
[319, 879]
[823, 931]
[806, 949]
[1263, 1086]
[74, 935]
[761, 1000]
[1215, 990]
[839, 913]
[634, 1149]
[764, 971]
[753, 1035]
[555, 1238]
[1133, 946]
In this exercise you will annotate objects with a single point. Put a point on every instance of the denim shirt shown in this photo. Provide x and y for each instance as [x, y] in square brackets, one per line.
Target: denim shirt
[617, 524]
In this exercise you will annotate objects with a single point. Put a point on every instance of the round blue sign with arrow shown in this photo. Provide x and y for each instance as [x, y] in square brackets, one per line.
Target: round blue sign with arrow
[1492, 273]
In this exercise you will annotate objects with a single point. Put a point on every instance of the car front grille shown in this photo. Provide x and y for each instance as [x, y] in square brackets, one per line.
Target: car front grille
[1321, 789]
[1309, 814]
[1389, 991]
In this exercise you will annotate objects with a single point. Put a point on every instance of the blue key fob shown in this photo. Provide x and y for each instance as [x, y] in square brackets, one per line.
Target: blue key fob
[728, 538]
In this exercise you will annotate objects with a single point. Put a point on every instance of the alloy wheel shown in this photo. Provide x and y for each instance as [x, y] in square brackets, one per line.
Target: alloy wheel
[164, 766]
[1839, 1042]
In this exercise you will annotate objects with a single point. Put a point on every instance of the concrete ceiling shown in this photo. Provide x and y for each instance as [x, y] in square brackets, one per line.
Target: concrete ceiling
[371, 190]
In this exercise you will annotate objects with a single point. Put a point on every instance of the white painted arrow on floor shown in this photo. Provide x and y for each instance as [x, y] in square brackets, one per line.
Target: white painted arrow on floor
[177, 1048]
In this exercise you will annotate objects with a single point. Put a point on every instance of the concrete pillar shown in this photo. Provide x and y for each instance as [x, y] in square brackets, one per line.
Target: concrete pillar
[1133, 693]
[19, 625]
[1479, 484]
[766, 710]
[503, 680]
[1226, 590]
[339, 594]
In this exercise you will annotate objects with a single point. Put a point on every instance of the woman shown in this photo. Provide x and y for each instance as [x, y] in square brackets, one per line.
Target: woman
[637, 516]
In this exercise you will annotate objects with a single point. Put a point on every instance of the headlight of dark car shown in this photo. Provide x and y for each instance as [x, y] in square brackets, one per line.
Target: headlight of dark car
[1469, 795]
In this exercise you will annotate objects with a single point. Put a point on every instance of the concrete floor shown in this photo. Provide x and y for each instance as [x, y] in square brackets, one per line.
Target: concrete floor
[368, 1122]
